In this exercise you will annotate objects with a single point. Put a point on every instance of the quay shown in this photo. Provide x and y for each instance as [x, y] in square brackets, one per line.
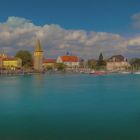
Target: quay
[19, 72]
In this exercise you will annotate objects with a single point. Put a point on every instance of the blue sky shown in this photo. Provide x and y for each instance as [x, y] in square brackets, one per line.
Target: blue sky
[83, 27]
[98, 15]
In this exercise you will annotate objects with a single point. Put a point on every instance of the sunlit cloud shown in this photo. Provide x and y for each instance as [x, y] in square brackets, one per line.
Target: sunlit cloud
[20, 33]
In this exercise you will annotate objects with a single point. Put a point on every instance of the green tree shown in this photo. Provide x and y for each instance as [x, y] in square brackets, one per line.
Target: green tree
[61, 67]
[49, 68]
[101, 64]
[26, 58]
[92, 63]
[135, 63]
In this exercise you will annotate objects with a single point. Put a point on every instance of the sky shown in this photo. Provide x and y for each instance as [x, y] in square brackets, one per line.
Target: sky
[82, 27]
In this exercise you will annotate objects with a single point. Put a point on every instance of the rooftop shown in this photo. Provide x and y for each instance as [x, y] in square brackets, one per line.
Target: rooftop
[70, 58]
[49, 61]
[116, 58]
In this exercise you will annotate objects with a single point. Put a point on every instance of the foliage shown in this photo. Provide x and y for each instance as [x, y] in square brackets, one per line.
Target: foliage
[92, 63]
[26, 58]
[101, 61]
[61, 67]
[101, 64]
[49, 68]
[135, 63]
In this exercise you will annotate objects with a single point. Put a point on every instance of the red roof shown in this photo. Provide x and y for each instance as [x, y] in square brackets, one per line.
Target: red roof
[69, 58]
[49, 61]
[2, 57]
[10, 58]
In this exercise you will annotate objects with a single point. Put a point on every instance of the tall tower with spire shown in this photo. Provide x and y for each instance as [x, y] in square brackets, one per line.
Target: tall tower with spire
[38, 56]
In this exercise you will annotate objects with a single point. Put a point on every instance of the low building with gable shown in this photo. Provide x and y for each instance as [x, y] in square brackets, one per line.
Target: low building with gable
[7, 62]
[116, 63]
[49, 63]
[11, 63]
[69, 60]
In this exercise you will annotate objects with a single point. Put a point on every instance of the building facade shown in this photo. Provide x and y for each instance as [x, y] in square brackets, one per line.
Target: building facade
[11, 63]
[2, 56]
[38, 57]
[49, 63]
[69, 61]
[116, 63]
[7, 62]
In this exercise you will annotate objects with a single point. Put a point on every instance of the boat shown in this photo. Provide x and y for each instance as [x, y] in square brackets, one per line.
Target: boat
[125, 72]
[92, 72]
[137, 72]
[97, 73]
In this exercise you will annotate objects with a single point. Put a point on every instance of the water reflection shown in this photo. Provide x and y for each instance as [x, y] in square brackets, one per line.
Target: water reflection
[78, 107]
[18, 88]
[11, 87]
[38, 80]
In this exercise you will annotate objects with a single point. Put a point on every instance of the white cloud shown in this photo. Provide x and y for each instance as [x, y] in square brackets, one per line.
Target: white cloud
[134, 41]
[19, 33]
[136, 20]
[133, 46]
[15, 22]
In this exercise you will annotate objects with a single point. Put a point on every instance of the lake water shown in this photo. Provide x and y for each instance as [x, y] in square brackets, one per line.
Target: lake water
[70, 107]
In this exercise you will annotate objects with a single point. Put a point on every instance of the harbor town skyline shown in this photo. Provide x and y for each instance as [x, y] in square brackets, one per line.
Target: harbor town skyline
[101, 28]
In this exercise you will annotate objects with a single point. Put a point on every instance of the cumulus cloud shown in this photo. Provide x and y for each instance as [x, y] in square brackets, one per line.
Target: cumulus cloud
[136, 20]
[20, 33]
[133, 46]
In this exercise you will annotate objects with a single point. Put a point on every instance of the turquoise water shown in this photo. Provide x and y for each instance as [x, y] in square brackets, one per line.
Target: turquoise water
[70, 107]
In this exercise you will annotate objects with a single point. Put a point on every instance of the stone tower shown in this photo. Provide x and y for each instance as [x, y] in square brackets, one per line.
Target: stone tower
[38, 56]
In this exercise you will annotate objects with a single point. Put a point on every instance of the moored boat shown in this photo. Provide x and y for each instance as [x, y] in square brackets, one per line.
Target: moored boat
[125, 72]
[98, 72]
[137, 72]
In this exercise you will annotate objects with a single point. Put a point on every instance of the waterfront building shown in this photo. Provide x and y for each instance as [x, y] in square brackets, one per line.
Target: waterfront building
[38, 57]
[7, 62]
[116, 63]
[0, 62]
[49, 63]
[11, 63]
[69, 60]
[2, 56]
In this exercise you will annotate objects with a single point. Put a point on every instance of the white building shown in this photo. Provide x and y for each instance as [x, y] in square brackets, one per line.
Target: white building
[69, 61]
[117, 62]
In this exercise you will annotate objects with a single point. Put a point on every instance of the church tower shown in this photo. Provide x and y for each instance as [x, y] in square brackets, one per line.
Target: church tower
[38, 56]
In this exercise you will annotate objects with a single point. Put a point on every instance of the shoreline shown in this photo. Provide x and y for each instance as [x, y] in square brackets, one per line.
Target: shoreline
[26, 73]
